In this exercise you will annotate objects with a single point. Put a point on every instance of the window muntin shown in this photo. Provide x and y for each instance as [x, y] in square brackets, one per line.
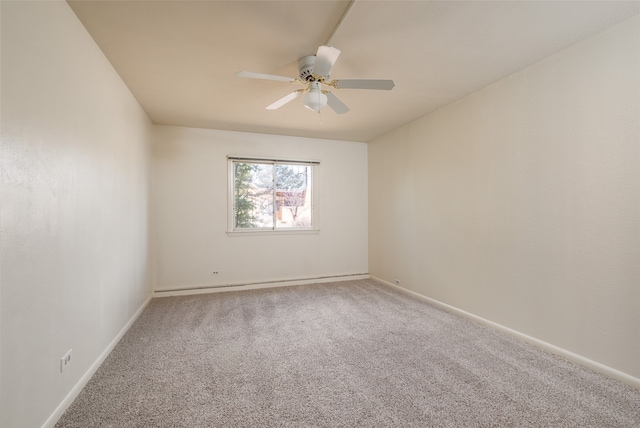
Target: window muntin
[271, 195]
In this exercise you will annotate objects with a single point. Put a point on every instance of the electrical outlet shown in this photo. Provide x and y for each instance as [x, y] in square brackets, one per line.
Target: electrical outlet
[65, 361]
[215, 272]
[397, 281]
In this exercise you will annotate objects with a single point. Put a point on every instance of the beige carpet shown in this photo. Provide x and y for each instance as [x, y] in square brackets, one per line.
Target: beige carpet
[335, 355]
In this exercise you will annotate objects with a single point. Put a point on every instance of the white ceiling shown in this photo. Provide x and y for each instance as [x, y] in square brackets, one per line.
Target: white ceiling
[179, 58]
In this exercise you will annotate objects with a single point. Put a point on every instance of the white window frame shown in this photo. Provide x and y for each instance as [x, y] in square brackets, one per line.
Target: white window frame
[231, 229]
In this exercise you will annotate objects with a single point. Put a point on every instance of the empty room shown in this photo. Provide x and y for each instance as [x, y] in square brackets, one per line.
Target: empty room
[319, 213]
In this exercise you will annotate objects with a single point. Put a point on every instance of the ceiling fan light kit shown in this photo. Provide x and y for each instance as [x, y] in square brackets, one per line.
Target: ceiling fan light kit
[315, 71]
[314, 99]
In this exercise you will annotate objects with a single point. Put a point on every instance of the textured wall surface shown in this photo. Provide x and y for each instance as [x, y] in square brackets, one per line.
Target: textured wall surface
[189, 206]
[74, 207]
[520, 203]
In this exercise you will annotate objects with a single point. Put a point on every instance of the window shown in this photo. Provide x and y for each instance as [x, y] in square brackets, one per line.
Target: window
[270, 195]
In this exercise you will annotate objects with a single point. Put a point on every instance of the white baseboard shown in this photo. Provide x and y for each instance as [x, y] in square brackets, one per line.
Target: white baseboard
[50, 423]
[256, 285]
[593, 365]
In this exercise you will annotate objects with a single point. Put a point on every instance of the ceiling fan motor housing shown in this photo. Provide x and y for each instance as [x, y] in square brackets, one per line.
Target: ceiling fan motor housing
[305, 67]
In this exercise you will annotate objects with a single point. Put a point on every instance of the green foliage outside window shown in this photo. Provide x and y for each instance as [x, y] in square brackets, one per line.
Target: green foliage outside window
[244, 204]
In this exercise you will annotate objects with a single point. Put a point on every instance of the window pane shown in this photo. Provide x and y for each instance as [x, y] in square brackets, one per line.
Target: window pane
[253, 195]
[293, 196]
[268, 195]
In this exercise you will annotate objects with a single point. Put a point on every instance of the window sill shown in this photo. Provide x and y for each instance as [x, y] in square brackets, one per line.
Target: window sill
[235, 233]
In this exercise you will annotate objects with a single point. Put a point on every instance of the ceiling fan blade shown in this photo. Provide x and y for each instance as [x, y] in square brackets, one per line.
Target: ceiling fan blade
[325, 58]
[335, 103]
[264, 76]
[364, 84]
[282, 101]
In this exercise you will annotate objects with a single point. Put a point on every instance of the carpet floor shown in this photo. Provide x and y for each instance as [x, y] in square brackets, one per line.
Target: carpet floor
[344, 354]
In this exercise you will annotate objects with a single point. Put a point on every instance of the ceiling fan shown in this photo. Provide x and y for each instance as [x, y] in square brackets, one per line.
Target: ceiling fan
[314, 72]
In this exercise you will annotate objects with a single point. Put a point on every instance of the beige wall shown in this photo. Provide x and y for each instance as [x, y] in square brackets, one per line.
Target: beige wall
[189, 209]
[74, 208]
[520, 203]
